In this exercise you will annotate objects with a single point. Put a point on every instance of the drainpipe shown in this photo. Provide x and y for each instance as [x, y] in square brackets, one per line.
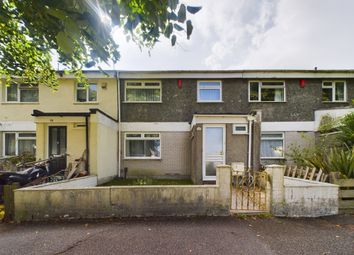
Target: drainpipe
[119, 124]
[87, 145]
[250, 119]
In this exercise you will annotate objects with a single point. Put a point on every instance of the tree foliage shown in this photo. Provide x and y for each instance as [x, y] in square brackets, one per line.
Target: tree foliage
[80, 32]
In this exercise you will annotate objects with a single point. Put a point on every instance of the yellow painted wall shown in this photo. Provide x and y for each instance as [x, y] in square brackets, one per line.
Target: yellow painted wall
[103, 147]
[76, 142]
[62, 100]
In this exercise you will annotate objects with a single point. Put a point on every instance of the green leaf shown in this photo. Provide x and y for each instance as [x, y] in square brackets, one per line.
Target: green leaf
[172, 16]
[182, 13]
[169, 30]
[189, 28]
[64, 42]
[173, 40]
[193, 9]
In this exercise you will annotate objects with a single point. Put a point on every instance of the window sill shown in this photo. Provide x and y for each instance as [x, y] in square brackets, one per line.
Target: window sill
[335, 102]
[20, 103]
[86, 103]
[157, 159]
[268, 102]
[142, 102]
[273, 158]
[210, 102]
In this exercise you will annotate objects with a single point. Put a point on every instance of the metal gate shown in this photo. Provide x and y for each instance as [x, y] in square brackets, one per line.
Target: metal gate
[249, 191]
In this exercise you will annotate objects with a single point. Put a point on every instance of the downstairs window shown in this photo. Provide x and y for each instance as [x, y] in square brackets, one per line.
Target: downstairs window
[19, 143]
[142, 146]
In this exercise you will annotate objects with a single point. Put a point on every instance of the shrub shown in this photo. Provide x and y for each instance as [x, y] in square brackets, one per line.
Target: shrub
[346, 128]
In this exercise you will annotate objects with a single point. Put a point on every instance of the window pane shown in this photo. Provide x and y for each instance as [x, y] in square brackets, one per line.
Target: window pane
[154, 84]
[271, 148]
[92, 93]
[134, 84]
[254, 91]
[272, 136]
[135, 148]
[10, 144]
[327, 94]
[272, 83]
[209, 95]
[134, 135]
[27, 135]
[143, 95]
[276, 95]
[26, 147]
[206, 84]
[29, 95]
[339, 93]
[152, 148]
[81, 95]
[210, 167]
[12, 93]
[240, 128]
[151, 135]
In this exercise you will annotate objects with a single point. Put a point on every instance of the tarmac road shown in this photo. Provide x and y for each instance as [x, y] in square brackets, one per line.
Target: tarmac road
[194, 235]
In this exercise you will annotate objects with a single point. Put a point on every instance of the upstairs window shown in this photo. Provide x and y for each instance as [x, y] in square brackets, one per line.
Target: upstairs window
[266, 91]
[142, 146]
[86, 93]
[334, 91]
[143, 91]
[272, 145]
[22, 93]
[19, 144]
[209, 91]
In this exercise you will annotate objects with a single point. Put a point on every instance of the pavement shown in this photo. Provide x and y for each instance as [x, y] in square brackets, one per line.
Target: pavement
[187, 235]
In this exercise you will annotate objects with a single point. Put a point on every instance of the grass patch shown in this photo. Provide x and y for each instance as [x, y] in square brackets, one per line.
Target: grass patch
[146, 181]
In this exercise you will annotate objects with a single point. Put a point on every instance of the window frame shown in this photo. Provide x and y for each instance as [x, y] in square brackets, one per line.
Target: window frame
[277, 139]
[87, 93]
[209, 101]
[141, 138]
[260, 85]
[234, 132]
[333, 87]
[143, 86]
[17, 138]
[18, 99]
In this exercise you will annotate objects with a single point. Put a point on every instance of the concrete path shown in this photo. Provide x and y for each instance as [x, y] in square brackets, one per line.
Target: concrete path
[213, 235]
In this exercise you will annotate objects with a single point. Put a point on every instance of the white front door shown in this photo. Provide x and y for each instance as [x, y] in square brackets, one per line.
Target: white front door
[213, 150]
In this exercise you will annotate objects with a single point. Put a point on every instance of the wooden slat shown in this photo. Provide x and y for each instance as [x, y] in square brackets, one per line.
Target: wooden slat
[288, 170]
[294, 172]
[306, 172]
[346, 193]
[345, 182]
[318, 178]
[298, 172]
[346, 204]
[312, 174]
[324, 177]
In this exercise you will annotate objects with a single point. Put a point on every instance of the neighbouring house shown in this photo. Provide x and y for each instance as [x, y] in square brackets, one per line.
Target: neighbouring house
[172, 124]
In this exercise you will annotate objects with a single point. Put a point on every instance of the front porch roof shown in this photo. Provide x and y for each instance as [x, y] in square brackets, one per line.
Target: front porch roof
[38, 113]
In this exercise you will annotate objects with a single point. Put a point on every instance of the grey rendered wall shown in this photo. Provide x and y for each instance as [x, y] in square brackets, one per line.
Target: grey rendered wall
[174, 162]
[236, 147]
[196, 163]
[180, 104]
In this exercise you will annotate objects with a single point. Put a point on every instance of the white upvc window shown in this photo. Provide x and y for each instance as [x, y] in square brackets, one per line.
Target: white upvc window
[142, 146]
[334, 91]
[19, 143]
[240, 129]
[86, 93]
[272, 145]
[209, 91]
[24, 93]
[143, 91]
[266, 91]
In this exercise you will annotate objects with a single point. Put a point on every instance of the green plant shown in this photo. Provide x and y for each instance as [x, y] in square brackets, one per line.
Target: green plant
[346, 128]
[341, 160]
[143, 181]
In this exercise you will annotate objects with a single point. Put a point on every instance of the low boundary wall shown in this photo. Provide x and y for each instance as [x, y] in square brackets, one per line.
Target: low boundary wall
[56, 201]
[293, 197]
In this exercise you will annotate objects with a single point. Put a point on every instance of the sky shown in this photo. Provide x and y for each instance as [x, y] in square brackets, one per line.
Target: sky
[254, 34]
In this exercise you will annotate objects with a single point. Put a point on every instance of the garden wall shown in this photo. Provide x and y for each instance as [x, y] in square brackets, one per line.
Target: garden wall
[120, 201]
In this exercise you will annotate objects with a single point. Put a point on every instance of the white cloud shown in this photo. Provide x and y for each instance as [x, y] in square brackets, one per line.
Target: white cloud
[246, 34]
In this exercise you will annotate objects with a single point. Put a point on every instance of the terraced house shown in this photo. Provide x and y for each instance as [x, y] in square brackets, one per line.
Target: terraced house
[176, 124]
